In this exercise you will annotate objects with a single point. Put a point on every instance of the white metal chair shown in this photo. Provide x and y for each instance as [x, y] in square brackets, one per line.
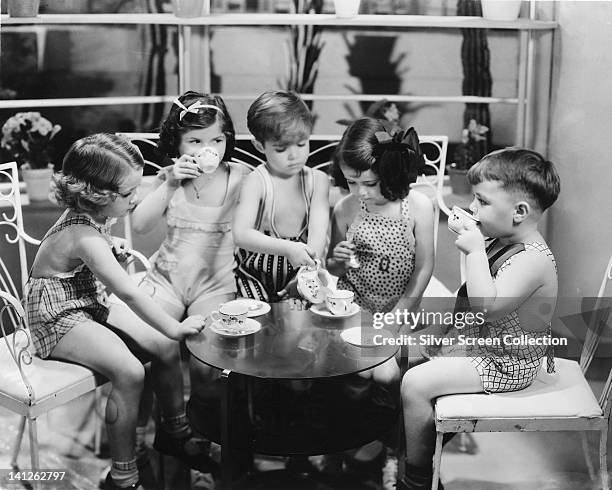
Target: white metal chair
[562, 401]
[29, 386]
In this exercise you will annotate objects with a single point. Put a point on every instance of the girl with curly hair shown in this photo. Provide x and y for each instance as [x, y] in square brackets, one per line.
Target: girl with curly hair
[70, 321]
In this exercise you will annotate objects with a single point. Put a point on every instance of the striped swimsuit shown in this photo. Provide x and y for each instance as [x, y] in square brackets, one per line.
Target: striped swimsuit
[261, 275]
[56, 304]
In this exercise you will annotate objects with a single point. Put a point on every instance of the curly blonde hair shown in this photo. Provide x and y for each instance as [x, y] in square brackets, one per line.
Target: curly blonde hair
[94, 170]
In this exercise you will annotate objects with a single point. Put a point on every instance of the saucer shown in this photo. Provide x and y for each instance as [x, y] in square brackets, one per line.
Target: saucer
[354, 336]
[250, 326]
[322, 310]
[256, 307]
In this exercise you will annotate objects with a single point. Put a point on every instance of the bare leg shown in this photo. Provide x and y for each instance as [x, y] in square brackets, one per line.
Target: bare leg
[95, 346]
[420, 386]
[166, 374]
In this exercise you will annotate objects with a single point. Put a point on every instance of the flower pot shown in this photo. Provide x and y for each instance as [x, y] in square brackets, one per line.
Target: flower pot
[501, 9]
[23, 8]
[38, 182]
[458, 181]
[346, 8]
[188, 8]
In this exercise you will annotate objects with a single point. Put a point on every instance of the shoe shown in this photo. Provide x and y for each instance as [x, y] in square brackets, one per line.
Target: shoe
[145, 471]
[202, 481]
[389, 473]
[193, 452]
[109, 484]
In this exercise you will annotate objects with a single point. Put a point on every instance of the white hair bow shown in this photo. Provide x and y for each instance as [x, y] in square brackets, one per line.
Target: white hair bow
[197, 105]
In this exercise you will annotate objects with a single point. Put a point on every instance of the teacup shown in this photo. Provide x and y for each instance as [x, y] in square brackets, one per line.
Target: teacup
[231, 316]
[339, 302]
[208, 159]
[458, 219]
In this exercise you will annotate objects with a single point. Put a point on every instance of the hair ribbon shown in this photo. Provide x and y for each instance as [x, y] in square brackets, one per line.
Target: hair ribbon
[399, 141]
[194, 108]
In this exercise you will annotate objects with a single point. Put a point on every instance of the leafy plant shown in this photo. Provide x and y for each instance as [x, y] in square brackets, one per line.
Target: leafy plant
[305, 46]
[27, 136]
[472, 147]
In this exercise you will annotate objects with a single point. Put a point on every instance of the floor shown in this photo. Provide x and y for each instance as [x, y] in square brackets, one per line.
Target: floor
[517, 461]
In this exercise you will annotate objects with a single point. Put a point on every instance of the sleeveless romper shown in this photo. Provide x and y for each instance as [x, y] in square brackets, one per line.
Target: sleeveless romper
[261, 275]
[196, 259]
[56, 304]
[504, 367]
[385, 249]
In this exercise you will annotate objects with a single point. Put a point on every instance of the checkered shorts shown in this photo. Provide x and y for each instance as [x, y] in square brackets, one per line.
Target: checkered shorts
[56, 304]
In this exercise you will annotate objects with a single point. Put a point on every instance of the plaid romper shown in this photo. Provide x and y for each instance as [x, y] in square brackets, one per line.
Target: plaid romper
[505, 367]
[56, 304]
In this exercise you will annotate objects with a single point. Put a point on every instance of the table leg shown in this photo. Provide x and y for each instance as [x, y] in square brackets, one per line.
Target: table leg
[226, 404]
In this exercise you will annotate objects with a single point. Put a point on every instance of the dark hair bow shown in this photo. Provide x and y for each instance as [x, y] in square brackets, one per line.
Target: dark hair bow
[399, 141]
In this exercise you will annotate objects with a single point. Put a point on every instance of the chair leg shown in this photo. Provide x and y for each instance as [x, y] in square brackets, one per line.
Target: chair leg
[603, 456]
[97, 422]
[34, 455]
[18, 440]
[587, 458]
[437, 459]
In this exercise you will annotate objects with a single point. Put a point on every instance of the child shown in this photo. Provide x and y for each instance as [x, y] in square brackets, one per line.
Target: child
[193, 270]
[382, 234]
[283, 214]
[513, 279]
[382, 224]
[98, 181]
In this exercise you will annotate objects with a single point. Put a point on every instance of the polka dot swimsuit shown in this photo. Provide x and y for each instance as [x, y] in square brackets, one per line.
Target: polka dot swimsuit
[385, 249]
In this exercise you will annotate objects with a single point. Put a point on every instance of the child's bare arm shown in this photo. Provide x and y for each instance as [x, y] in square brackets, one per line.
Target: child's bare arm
[423, 214]
[340, 249]
[153, 207]
[318, 221]
[94, 251]
[519, 281]
[249, 238]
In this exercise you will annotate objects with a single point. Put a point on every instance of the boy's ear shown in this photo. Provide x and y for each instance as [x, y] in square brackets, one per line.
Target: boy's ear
[522, 209]
[258, 146]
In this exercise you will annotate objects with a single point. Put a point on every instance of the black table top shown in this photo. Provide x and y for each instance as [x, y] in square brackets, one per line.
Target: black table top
[293, 344]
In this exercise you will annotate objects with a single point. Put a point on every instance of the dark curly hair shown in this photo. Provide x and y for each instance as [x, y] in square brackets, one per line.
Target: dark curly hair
[174, 127]
[367, 144]
[94, 170]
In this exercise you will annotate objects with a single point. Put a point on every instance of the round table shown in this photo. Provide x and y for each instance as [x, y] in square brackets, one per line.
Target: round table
[261, 414]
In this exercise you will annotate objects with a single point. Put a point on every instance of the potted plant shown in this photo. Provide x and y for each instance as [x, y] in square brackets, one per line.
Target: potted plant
[471, 149]
[27, 138]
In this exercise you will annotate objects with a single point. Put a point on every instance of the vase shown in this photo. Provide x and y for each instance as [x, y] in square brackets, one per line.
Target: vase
[501, 9]
[346, 8]
[23, 8]
[188, 8]
[38, 182]
[458, 181]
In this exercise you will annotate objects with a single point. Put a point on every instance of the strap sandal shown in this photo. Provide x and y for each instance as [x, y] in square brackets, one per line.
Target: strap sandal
[109, 484]
[193, 452]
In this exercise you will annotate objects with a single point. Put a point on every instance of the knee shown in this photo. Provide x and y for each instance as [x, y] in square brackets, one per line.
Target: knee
[168, 352]
[130, 376]
[412, 388]
[387, 374]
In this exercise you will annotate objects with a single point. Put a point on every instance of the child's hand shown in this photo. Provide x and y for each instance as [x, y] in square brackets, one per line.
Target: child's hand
[191, 325]
[343, 251]
[470, 239]
[184, 167]
[120, 248]
[300, 254]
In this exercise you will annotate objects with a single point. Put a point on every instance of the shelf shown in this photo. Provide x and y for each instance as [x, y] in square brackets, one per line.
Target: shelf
[395, 21]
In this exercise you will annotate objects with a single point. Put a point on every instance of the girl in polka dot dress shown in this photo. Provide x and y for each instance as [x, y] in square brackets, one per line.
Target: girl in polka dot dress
[382, 232]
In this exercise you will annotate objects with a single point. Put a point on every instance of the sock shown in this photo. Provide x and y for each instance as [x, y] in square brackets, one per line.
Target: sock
[141, 447]
[124, 473]
[177, 426]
